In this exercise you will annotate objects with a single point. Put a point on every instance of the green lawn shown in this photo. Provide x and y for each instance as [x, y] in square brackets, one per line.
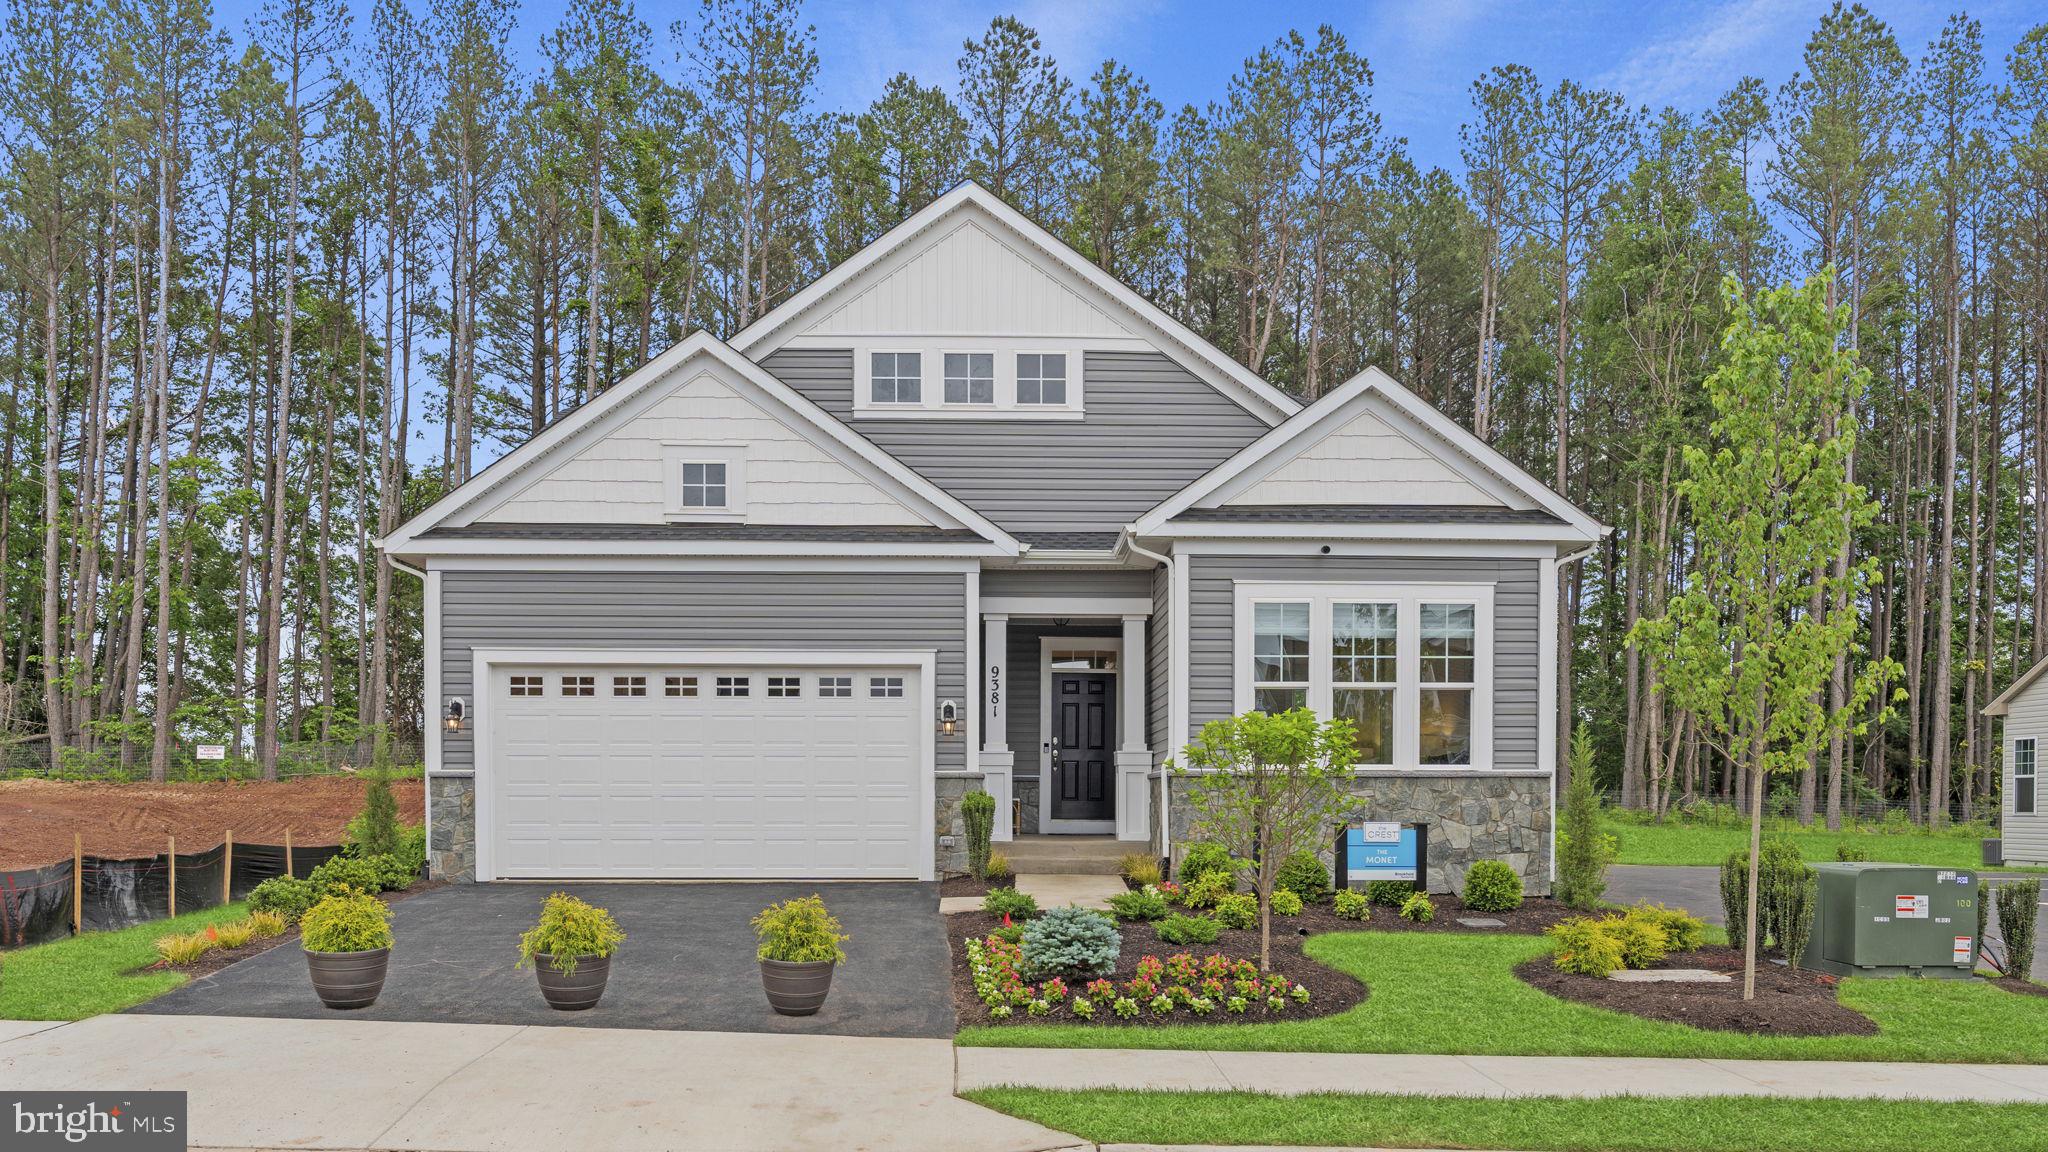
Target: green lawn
[1684, 843]
[1456, 993]
[85, 975]
[1616, 1124]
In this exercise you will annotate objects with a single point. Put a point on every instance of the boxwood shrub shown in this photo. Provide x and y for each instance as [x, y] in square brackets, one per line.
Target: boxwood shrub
[1189, 930]
[1304, 875]
[1009, 902]
[1239, 910]
[284, 896]
[1388, 893]
[1204, 858]
[1492, 886]
[1139, 904]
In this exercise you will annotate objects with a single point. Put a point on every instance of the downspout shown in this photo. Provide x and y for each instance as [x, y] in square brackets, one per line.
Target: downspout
[1567, 558]
[1165, 815]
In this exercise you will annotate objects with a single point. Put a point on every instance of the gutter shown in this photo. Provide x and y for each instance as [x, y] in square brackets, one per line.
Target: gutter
[1129, 541]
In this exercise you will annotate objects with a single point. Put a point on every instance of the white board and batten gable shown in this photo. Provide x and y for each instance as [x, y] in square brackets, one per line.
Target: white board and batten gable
[968, 274]
[698, 436]
[1370, 444]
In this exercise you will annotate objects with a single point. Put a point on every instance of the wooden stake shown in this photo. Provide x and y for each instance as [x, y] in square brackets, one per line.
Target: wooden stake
[171, 854]
[77, 883]
[227, 867]
[288, 850]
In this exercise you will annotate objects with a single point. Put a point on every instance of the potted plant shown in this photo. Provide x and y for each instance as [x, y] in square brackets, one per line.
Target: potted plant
[347, 938]
[799, 946]
[571, 951]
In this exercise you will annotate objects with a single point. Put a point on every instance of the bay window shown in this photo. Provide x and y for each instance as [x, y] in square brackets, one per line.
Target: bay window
[1408, 665]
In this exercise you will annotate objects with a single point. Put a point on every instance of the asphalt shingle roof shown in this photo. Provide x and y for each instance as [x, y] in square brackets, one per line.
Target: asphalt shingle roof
[827, 534]
[1370, 514]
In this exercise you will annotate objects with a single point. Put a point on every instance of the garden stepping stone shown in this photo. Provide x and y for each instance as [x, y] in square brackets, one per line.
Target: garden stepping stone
[1669, 976]
[1480, 922]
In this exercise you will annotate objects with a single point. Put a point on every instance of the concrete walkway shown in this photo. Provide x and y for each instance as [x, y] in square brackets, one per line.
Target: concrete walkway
[363, 1084]
[1291, 1073]
[1051, 891]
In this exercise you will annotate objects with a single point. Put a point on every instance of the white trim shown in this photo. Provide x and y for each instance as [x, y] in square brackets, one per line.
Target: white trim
[593, 549]
[1247, 594]
[1341, 404]
[1313, 530]
[1068, 605]
[675, 455]
[893, 475]
[1208, 361]
[2033, 776]
[924, 660]
[1367, 548]
[1046, 644]
[2003, 704]
[1546, 689]
[594, 562]
[970, 621]
[932, 354]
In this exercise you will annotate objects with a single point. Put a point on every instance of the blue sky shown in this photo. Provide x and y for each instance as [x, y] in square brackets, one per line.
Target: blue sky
[1424, 53]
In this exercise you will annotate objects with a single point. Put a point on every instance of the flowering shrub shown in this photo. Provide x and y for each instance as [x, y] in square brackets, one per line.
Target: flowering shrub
[1082, 1007]
[1125, 1007]
[1162, 989]
[1101, 990]
[1054, 990]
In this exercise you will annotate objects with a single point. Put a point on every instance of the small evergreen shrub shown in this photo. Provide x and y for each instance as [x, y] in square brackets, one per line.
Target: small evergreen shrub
[1010, 902]
[1204, 858]
[1584, 852]
[1388, 893]
[999, 867]
[1984, 899]
[1683, 931]
[1071, 942]
[568, 931]
[1640, 941]
[394, 872]
[346, 872]
[797, 931]
[1350, 905]
[375, 829]
[351, 921]
[978, 812]
[1139, 869]
[1418, 909]
[1795, 891]
[1735, 897]
[1286, 903]
[284, 896]
[1239, 910]
[1189, 930]
[1208, 889]
[1304, 875]
[264, 925]
[2019, 910]
[1851, 853]
[1139, 904]
[1583, 945]
[1493, 886]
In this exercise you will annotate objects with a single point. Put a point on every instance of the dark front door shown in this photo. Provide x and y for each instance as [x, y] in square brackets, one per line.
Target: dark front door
[1084, 746]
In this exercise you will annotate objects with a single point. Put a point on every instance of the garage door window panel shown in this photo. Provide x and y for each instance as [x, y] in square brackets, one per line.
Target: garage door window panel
[579, 685]
[733, 686]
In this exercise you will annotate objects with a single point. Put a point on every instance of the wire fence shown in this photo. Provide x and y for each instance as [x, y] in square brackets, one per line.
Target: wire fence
[116, 763]
[1782, 807]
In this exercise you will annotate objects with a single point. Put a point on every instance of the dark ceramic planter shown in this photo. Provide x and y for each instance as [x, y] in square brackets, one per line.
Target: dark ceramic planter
[572, 992]
[796, 989]
[348, 979]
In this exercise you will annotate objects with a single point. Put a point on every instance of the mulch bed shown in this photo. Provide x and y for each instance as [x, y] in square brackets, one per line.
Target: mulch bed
[221, 958]
[965, 885]
[1330, 991]
[131, 820]
[1787, 1003]
[2020, 987]
[1536, 914]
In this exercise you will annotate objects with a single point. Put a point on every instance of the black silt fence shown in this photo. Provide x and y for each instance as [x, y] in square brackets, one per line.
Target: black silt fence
[35, 903]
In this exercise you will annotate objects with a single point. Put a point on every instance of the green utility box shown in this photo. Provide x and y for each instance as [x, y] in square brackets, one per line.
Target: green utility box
[1894, 920]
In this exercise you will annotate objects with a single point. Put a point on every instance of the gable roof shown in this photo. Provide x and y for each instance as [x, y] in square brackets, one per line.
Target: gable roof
[2003, 705]
[1515, 488]
[1093, 287]
[592, 421]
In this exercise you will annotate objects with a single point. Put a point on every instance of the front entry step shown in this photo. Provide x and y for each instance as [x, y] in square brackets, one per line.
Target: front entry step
[1067, 855]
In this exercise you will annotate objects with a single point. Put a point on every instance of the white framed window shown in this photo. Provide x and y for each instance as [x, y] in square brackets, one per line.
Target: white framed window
[527, 686]
[970, 378]
[785, 686]
[1409, 665]
[704, 481]
[734, 685]
[835, 687]
[885, 687]
[679, 686]
[2023, 776]
[1041, 378]
[579, 685]
[895, 377]
[629, 685]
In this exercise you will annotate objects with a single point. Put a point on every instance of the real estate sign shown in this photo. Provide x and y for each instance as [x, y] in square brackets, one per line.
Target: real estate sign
[1381, 850]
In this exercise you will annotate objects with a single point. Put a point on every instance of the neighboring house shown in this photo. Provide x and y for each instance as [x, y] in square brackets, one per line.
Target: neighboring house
[967, 513]
[2022, 826]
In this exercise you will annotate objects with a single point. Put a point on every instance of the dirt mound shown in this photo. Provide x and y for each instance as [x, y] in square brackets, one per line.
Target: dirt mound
[39, 817]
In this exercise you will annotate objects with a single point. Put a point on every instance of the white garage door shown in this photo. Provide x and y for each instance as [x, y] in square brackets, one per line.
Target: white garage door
[704, 771]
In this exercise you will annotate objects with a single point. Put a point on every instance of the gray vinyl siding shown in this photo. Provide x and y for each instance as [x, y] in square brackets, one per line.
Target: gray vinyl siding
[1516, 664]
[2025, 838]
[1151, 428]
[812, 611]
[1159, 666]
[1072, 582]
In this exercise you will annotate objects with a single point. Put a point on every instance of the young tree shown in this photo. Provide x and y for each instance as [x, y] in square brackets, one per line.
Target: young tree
[1769, 498]
[1267, 785]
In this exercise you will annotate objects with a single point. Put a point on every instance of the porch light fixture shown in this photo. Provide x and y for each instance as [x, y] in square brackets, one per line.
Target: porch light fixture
[949, 718]
[457, 711]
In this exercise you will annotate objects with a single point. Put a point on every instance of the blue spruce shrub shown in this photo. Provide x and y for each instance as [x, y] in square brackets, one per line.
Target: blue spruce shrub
[1071, 942]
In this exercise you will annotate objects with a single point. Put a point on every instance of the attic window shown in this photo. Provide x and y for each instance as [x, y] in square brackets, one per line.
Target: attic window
[704, 485]
[975, 378]
[705, 481]
[896, 378]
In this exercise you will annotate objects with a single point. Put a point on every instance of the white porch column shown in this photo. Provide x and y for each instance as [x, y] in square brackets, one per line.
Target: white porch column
[1133, 759]
[998, 763]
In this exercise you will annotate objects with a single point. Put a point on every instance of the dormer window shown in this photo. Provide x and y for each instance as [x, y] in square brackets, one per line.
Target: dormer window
[896, 377]
[704, 485]
[705, 481]
[970, 378]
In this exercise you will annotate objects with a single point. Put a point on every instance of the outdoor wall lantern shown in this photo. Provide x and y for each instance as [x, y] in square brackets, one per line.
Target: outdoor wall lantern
[949, 718]
[456, 713]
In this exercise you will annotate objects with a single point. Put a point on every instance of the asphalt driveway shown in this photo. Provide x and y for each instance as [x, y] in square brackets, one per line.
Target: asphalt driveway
[687, 963]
